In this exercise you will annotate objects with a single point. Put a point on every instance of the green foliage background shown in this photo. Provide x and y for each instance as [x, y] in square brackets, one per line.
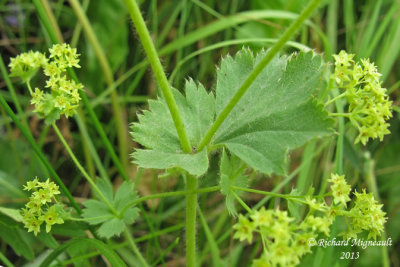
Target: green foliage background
[191, 36]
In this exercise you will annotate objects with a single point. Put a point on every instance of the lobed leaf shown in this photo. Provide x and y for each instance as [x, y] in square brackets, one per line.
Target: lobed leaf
[97, 212]
[278, 111]
[232, 174]
[276, 114]
[156, 131]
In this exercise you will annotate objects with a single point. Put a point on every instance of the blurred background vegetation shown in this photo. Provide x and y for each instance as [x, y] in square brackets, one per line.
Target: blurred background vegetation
[191, 36]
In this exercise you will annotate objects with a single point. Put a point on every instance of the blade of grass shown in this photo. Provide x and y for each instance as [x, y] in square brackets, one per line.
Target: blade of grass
[104, 64]
[383, 28]
[370, 30]
[232, 42]
[216, 260]
[166, 251]
[348, 12]
[50, 15]
[390, 48]
[228, 22]
[5, 260]
[215, 27]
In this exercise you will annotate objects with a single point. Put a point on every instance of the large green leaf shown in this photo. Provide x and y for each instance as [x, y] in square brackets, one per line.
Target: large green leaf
[157, 133]
[276, 114]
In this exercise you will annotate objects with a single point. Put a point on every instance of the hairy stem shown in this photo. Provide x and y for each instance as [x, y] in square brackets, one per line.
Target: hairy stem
[257, 70]
[121, 131]
[191, 206]
[155, 63]
[244, 205]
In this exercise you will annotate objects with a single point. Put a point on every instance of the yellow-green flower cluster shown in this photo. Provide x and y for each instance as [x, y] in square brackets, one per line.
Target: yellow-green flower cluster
[369, 105]
[63, 96]
[285, 240]
[367, 215]
[27, 64]
[40, 209]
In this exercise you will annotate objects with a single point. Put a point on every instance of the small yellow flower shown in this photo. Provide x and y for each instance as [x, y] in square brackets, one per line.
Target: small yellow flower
[244, 229]
[340, 189]
[30, 185]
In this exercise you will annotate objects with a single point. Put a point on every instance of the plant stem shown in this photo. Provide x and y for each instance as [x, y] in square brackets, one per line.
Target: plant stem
[82, 170]
[287, 197]
[155, 63]
[334, 99]
[244, 205]
[133, 246]
[257, 70]
[347, 115]
[39, 153]
[191, 206]
[121, 131]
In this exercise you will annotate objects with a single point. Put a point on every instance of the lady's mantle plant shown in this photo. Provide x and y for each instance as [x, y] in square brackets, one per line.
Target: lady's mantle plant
[279, 112]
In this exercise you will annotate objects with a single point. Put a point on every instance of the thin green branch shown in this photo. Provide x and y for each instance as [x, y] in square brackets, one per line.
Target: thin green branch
[82, 170]
[347, 115]
[266, 193]
[155, 63]
[257, 70]
[244, 205]
[334, 99]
